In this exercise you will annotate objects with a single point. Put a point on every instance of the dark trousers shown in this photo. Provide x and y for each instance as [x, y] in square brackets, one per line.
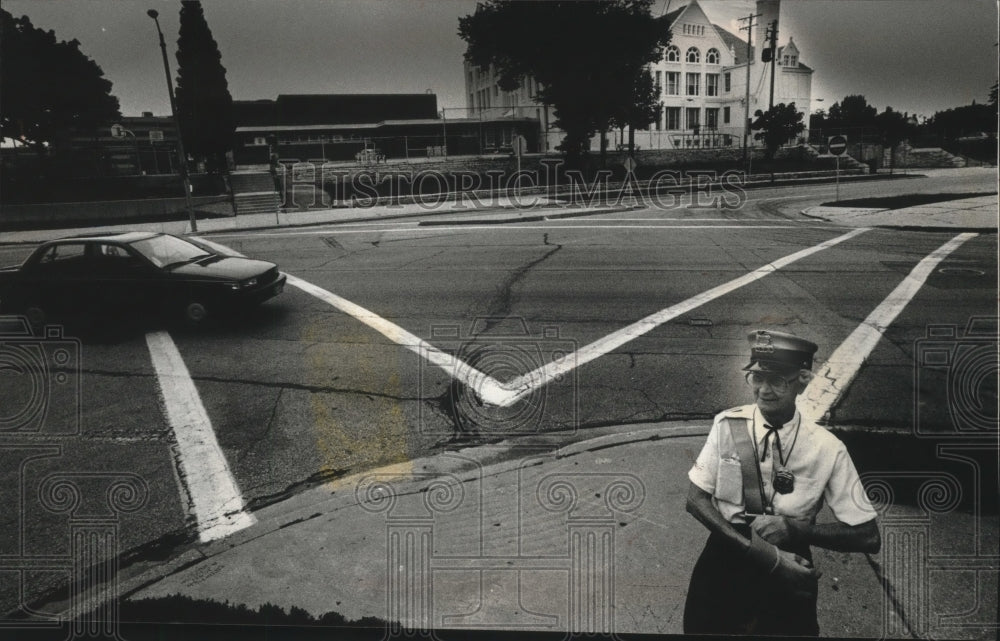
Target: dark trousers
[728, 596]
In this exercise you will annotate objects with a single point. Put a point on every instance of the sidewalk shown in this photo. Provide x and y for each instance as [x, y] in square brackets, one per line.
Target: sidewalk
[553, 532]
[968, 214]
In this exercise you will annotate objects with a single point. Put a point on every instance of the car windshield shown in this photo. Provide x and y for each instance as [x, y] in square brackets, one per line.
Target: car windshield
[166, 251]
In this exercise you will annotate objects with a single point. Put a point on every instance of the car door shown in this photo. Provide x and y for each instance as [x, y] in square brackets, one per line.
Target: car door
[113, 272]
[57, 280]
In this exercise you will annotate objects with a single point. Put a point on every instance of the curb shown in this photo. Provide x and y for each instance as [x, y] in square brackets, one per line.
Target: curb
[523, 219]
[479, 461]
[750, 184]
[897, 227]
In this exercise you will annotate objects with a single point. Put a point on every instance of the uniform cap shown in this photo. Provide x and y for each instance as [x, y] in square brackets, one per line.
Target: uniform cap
[779, 352]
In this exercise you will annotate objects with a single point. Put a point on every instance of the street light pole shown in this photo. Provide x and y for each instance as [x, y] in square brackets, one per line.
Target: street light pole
[154, 14]
[746, 108]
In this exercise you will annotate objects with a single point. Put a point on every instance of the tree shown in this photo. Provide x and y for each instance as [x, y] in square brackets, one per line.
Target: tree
[204, 106]
[776, 126]
[853, 111]
[894, 128]
[49, 87]
[818, 120]
[963, 121]
[586, 57]
[642, 109]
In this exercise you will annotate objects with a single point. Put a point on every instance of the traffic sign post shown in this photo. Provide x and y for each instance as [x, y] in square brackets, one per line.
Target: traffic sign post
[837, 145]
[520, 144]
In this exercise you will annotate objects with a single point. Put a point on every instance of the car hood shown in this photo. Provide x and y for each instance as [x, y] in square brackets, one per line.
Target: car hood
[224, 267]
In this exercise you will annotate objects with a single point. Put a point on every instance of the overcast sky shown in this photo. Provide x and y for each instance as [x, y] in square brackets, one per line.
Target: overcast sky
[914, 55]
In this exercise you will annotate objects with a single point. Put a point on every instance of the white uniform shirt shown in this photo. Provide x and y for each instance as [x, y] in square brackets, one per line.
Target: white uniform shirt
[822, 467]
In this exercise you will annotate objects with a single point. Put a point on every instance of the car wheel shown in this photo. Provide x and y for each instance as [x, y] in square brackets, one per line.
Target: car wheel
[195, 312]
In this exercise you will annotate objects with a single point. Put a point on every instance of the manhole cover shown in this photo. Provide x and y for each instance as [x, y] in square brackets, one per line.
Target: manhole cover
[961, 271]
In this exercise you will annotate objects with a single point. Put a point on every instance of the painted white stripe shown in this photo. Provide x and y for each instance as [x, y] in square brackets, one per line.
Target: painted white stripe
[495, 392]
[554, 224]
[488, 389]
[215, 498]
[746, 223]
[523, 385]
[222, 249]
[836, 375]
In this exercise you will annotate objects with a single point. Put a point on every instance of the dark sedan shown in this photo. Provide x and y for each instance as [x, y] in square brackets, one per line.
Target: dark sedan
[117, 274]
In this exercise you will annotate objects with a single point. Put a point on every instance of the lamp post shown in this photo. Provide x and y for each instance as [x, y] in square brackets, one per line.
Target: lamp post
[154, 14]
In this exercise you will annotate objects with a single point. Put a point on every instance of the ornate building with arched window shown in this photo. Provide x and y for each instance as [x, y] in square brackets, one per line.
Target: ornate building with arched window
[702, 82]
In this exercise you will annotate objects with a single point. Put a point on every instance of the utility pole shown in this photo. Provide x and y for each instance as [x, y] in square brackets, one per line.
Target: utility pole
[152, 13]
[773, 46]
[746, 110]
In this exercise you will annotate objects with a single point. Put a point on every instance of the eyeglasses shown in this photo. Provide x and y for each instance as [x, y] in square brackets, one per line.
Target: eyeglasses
[776, 382]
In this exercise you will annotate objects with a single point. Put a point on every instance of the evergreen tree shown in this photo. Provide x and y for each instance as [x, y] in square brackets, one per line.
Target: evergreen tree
[49, 87]
[204, 106]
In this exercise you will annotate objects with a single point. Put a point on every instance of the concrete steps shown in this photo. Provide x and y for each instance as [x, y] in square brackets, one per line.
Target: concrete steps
[254, 193]
[263, 202]
[907, 156]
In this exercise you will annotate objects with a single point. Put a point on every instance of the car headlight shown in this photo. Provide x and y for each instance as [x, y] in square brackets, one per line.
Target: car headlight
[250, 282]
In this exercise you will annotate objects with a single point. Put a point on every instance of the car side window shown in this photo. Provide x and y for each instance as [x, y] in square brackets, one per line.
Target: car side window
[63, 258]
[114, 259]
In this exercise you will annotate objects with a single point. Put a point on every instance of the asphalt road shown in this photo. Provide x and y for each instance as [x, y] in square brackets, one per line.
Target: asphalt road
[300, 391]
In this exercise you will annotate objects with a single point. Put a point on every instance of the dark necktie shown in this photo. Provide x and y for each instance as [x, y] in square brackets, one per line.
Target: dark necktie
[771, 429]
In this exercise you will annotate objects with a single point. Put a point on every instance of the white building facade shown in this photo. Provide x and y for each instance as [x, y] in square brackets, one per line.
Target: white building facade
[702, 80]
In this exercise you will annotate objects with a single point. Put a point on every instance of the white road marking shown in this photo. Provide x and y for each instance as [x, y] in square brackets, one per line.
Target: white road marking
[836, 375]
[502, 394]
[215, 498]
[437, 229]
[691, 220]
[222, 249]
[523, 385]
[488, 389]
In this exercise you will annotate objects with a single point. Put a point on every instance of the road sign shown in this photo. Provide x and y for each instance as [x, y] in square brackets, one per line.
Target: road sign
[117, 131]
[837, 145]
[520, 145]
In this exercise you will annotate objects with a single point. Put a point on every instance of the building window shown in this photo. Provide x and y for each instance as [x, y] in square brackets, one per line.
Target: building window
[496, 90]
[693, 84]
[673, 117]
[712, 118]
[728, 81]
[712, 57]
[693, 55]
[673, 83]
[673, 54]
[693, 120]
[711, 84]
[725, 115]
[694, 30]
[659, 82]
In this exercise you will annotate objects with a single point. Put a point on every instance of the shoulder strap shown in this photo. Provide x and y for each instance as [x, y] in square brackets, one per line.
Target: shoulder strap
[753, 489]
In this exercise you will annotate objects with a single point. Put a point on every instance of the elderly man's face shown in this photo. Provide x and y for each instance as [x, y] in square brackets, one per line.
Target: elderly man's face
[775, 393]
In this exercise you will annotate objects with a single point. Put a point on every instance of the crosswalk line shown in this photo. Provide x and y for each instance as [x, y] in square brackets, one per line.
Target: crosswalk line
[837, 373]
[213, 494]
